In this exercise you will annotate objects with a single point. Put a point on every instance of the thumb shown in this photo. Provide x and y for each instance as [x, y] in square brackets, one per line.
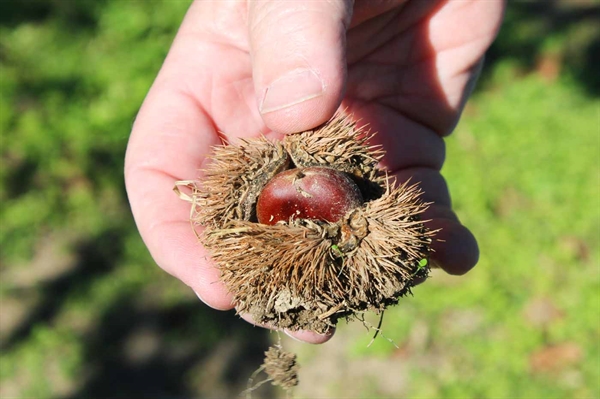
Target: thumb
[298, 51]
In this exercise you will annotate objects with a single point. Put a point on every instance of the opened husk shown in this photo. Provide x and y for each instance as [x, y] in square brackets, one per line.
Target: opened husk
[307, 274]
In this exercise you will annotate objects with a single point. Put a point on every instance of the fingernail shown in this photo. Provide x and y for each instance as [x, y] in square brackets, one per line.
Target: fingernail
[309, 336]
[199, 297]
[289, 334]
[291, 89]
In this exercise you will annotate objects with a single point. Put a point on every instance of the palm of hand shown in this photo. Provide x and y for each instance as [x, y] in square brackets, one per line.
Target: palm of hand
[409, 70]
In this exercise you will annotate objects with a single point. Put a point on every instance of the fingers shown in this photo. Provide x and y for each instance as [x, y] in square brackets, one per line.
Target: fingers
[454, 247]
[407, 144]
[169, 142]
[309, 337]
[298, 60]
[416, 153]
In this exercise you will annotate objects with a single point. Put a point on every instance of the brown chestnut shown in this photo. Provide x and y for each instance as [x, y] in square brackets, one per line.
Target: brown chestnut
[316, 193]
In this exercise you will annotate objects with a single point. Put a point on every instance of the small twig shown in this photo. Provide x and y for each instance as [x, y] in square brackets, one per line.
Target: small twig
[331, 311]
[377, 329]
[248, 391]
[185, 183]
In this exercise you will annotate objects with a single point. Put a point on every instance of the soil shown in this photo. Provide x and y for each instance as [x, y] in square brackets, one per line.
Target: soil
[281, 367]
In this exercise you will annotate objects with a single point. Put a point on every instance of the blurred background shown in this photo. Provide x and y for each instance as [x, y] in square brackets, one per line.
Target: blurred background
[85, 313]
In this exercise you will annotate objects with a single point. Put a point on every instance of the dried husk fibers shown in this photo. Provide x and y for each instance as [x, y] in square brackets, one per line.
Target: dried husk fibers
[281, 367]
[307, 274]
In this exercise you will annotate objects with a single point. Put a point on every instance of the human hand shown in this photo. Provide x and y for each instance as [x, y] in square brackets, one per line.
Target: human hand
[244, 68]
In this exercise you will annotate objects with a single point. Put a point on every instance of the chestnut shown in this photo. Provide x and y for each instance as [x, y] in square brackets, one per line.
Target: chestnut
[317, 193]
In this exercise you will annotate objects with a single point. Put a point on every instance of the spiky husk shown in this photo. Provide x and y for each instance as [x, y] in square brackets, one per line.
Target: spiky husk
[307, 274]
[341, 145]
[294, 275]
[233, 180]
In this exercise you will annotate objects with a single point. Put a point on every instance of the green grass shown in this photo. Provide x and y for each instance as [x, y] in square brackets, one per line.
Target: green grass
[523, 168]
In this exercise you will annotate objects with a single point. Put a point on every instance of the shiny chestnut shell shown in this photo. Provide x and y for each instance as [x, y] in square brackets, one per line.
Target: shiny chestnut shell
[316, 193]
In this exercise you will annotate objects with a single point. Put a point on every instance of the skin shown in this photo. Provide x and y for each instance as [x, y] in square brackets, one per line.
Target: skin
[405, 68]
